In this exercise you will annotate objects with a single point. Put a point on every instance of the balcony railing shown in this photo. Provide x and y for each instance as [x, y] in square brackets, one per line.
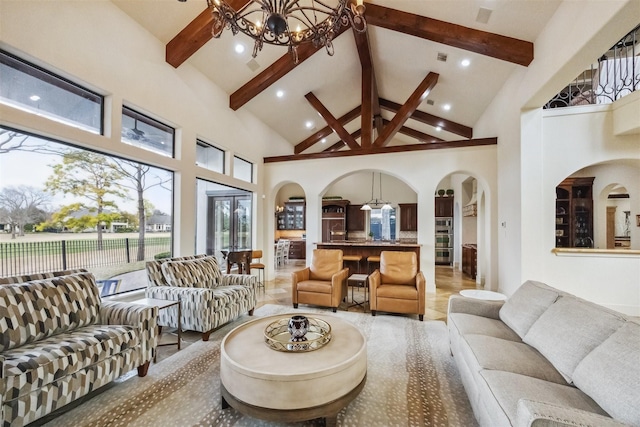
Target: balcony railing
[616, 74]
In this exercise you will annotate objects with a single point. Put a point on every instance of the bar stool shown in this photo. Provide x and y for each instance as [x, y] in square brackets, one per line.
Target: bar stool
[372, 260]
[353, 258]
[257, 255]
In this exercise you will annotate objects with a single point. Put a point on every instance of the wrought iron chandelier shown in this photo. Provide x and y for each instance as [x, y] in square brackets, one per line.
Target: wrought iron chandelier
[376, 202]
[288, 22]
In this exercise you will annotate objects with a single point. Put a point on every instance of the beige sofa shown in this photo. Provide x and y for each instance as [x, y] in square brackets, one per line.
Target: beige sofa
[59, 342]
[546, 358]
[208, 298]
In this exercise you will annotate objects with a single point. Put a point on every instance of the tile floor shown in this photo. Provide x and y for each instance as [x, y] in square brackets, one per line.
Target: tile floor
[278, 291]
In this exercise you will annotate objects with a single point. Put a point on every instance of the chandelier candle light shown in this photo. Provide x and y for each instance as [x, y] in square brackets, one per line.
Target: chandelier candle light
[376, 202]
[289, 22]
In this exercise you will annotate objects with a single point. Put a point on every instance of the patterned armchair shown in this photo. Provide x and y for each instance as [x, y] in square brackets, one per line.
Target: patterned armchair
[208, 298]
[59, 341]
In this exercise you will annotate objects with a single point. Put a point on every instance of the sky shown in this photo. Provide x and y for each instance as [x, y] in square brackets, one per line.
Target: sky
[32, 169]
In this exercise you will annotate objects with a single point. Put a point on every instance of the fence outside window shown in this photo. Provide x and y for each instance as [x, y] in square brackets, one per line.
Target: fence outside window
[38, 257]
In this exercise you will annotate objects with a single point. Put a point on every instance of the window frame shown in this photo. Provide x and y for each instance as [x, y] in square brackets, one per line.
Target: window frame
[236, 157]
[149, 121]
[49, 77]
[202, 143]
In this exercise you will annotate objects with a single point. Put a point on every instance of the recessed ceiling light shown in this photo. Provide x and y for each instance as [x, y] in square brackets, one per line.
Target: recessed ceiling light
[239, 48]
[309, 124]
[446, 107]
[280, 93]
[438, 128]
[465, 62]
[323, 140]
[34, 98]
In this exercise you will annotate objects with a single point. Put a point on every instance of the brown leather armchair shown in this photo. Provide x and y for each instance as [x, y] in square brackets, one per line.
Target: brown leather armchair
[398, 286]
[323, 283]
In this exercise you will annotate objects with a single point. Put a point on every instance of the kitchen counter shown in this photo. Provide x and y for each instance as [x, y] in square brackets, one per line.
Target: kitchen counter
[370, 248]
[369, 243]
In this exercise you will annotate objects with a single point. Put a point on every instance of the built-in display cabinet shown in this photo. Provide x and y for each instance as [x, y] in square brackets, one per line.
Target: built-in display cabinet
[292, 217]
[574, 213]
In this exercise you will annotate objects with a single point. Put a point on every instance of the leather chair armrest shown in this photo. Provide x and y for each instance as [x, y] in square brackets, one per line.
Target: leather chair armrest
[421, 284]
[297, 277]
[339, 286]
[374, 282]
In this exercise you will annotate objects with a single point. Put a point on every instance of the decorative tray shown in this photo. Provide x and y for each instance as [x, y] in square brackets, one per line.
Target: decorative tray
[278, 337]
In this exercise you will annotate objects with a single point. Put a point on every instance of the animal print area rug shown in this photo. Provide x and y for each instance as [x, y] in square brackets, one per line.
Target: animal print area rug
[412, 380]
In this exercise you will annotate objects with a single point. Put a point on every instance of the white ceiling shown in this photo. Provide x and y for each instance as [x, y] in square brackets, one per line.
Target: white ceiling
[400, 61]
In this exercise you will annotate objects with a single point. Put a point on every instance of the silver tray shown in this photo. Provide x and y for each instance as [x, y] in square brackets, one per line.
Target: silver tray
[277, 336]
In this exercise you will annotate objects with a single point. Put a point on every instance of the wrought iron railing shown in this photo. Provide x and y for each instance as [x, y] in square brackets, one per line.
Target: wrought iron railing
[616, 74]
[38, 257]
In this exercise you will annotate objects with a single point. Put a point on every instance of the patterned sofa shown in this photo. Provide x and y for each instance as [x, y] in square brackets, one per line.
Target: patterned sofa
[209, 298]
[59, 342]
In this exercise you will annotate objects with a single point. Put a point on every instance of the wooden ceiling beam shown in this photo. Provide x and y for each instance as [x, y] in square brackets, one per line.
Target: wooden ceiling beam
[325, 131]
[420, 136]
[405, 111]
[338, 145]
[332, 121]
[195, 35]
[370, 103]
[385, 150]
[273, 73]
[482, 42]
[430, 119]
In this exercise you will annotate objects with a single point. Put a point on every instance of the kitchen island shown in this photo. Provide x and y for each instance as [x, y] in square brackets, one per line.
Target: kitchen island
[370, 248]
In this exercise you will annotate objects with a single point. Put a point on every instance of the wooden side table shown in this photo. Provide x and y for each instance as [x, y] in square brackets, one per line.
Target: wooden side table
[163, 304]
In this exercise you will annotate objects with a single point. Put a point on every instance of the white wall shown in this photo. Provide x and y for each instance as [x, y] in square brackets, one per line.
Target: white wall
[525, 156]
[420, 171]
[95, 43]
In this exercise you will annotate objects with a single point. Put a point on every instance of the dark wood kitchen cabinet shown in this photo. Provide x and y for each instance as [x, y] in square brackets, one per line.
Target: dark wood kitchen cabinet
[408, 216]
[444, 207]
[355, 218]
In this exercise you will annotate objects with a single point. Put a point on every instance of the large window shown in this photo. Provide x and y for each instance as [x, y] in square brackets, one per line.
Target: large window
[382, 223]
[242, 169]
[30, 88]
[209, 157]
[224, 216]
[74, 208]
[145, 132]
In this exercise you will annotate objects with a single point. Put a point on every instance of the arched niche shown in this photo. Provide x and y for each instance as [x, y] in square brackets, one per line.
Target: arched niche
[616, 199]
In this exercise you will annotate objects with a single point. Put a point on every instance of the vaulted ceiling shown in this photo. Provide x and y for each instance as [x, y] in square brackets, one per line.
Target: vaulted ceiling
[383, 90]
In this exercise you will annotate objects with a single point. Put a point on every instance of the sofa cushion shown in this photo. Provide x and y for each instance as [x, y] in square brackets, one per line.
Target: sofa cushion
[569, 330]
[154, 269]
[196, 273]
[487, 352]
[526, 305]
[32, 366]
[471, 324]
[502, 391]
[35, 310]
[610, 374]
[39, 276]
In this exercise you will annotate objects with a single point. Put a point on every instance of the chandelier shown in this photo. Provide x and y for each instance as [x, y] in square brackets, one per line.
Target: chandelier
[288, 22]
[375, 202]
